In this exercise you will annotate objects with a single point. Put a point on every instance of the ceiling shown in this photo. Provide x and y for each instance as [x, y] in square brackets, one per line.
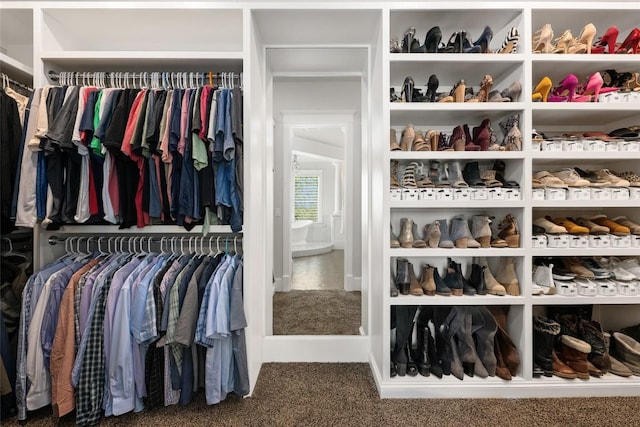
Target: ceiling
[333, 136]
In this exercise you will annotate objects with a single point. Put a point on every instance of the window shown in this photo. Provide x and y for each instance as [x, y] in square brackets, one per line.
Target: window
[306, 199]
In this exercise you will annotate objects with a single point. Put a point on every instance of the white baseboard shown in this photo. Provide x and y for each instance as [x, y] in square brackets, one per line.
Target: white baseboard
[316, 348]
[352, 283]
[338, 244]
[282, 284]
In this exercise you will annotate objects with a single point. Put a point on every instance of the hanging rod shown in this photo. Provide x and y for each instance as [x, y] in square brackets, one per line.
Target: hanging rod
[155, 79]
[6, 81]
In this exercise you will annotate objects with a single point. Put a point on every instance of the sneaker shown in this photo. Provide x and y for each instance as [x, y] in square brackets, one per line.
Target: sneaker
[613, 180]
[571, 178]
[596, 269]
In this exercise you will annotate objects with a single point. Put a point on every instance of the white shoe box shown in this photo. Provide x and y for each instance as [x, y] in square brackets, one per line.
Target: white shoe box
[579, 241]
[602, 241]
[428, 194]
[479, 194]
[611, 146]
[512, 194]
[629, 146]
[620, 193]
[579, 194]
[587, 289]
[607, 288]
[410, 194]
[555, 194]
[559, 241]
[496, 194]
[631, 96]
[462, 194]
[593, 145]
[444, 194]
[635, 241]
[567, 289]
[395, 194]
[539, 241]
[538, 194]
[572, 145]
[634, 193]
[627, 288]
[551, 145]
[620, 241]
[610, 97]
[600, 193]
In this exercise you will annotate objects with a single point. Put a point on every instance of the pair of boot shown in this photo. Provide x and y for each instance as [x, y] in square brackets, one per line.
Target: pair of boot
[569, 362]
[406, 282]
[409, 237]
[505, 280]
[509, 235]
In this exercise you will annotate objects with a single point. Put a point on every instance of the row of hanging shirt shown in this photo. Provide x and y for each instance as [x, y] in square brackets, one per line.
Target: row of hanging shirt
[132, 157]
[122, 332]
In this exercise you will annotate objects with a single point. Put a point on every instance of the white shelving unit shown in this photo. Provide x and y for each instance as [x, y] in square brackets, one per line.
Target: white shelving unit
[16, 44]
[545, 117]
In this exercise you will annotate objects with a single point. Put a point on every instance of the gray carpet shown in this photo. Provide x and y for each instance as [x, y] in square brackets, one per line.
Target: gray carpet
[303, 394]
[335, 312]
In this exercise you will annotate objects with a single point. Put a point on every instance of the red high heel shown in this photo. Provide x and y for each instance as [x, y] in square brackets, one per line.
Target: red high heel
[594, 85]
[608, 40]
[630, 43]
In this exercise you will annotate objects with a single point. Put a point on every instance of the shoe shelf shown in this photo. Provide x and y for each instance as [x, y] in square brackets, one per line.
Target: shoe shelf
[568, 156]
[457, 107]
[453, 204]
[455, 155]
[582, 115]
[592, 204]
[542, 300]
[452, 58]
[457, 252]
[584, 252]
[457, 300]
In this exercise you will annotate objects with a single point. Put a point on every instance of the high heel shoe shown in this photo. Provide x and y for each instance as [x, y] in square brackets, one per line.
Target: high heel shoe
[541, 91]
[566, 92]
[542, 40]
[586, 37]
[432, 40]
[564, 42]
[630, 43]
[510, 43]
[484, 40]
[456, 94]
[409, 40]
[407, 89]
[485, 88]
[432, 86]
[594, 85]
[458, 139]
[608, 41]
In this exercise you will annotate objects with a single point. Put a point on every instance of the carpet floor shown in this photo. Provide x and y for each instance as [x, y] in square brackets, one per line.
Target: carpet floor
[334, 312]
[302, 394]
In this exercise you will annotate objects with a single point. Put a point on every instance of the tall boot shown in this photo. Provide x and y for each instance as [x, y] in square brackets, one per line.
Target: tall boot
[493, 286]
[423, 353]
[503, 340]
[445, 240]
[507, 277]
[453, 325]
[427, 282]
[617, 367]
[403, 280]
[466, 344]
[412, 366]
[467, 289]
[443, 343]
[432, 234]
[545, 332]
[414, 285]
[404, 315]
[425, 317]
[406, 233]
[476, 279]
[484, 330]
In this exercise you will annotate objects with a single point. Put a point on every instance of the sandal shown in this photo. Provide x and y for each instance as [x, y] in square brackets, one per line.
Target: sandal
[419, 143]
[549, 180]
[394, 174]
[408, 135]
[409, 176]
[499, 166]
[489, 178]
[422, 180]
[394, 146]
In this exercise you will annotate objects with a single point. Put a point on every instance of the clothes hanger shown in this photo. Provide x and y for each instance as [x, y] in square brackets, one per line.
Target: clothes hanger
[11, 253]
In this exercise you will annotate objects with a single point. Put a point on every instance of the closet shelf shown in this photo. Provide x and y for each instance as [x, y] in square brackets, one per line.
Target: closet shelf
[14, 68]
[152, 229]
[565, 156]
[577, 300]
[456, 106]
[456, 57]
[577, 115]
[456, 252]
[457, 204]
[455, 155]
[455, 300]
[590, 204]
[585, 252]
[602, 60]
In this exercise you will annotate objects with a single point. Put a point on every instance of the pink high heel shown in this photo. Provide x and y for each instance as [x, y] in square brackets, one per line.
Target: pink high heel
[594, 85]
[566, 91]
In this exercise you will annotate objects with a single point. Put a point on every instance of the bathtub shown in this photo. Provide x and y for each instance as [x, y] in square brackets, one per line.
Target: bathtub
[299, 230]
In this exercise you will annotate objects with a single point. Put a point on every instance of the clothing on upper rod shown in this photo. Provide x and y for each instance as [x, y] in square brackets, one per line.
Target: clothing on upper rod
[119, 332]
[132, 157]
[154, 80]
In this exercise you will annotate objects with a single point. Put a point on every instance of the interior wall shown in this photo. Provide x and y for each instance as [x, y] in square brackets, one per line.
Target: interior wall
[321, 231]
[311, 94]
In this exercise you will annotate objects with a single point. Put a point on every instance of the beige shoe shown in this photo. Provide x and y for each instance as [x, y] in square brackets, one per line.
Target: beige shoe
[613, 180]
[570, 177]
[493, 286]
[549, 180]
[549, 226]
[594, 228]
[574, 265]
[633, 227]
[507, 277]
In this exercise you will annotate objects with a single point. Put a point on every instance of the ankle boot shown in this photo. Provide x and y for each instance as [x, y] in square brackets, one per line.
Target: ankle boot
[414, 285]
[432, 234]
[445, 240]
[509, 231]
[460, 232]
[504, 342]
[482, 136]
[481, 230]
[455, 174]
[406, 233]
[427, 283]
[441, 286]
[423, 357]
[506, 276]
[467, 288]
[393, 141]
[484, 330]
[403, 280]
[454, 282]
[458, 139]
[617, 367]
[395, 243]
[591, 332]
[493, 286]
[471, 146]
[545, 332]
[408, 135]
[543, 280]
[476, 279]
[574, 352]
[417, 242]
[471, 174]
[560, 369]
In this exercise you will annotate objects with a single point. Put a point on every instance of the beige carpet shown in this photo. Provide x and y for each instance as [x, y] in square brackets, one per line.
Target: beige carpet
[334, 312]
[344, 395]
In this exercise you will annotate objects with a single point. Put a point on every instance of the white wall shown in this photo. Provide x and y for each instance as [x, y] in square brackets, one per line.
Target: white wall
[312, 94]
[321, 232]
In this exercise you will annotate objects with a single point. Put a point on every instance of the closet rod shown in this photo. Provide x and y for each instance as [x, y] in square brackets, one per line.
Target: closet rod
[6, 81]
[226, 242]
[148, 79]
